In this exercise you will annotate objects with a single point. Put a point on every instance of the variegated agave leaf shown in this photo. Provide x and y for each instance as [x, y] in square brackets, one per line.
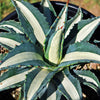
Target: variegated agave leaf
[89, 79]
[82, 31]
[14, 78]
[86, 29]
[34, 88]
[11, 40]
[70, 23]
[33, 20]
[56, 40]
[70, 26]
[47, 3]
[81, 52]
[52, 92]
[59, 21]
[65, 83]
[41, 60]
[25, 54]
[57, 25]
[11, 26]
[48, 11]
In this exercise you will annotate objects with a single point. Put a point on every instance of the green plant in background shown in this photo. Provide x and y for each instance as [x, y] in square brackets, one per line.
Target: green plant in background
[1, 10]
[6, 7]
[96, 1]
[42, 57]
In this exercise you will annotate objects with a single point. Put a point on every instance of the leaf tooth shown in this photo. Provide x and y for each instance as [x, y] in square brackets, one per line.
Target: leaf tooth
[0, 61]
[32, 16]
[1, 83]
[19, 65]
[58, 17]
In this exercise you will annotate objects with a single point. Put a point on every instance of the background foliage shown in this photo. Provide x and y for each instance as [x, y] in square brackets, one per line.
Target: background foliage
[6, 7]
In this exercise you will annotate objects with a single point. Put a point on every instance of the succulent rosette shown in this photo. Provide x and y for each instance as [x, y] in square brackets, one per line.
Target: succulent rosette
[43, 53]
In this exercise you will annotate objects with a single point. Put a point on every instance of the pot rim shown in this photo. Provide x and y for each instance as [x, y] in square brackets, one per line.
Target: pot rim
[71, 7]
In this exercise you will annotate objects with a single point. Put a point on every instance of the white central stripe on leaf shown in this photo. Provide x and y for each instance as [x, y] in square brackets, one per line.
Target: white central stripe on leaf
[61, 20]
[52, 96]
[54, 53]
[21, 57]
[88, 79]
[9, 42]
[70, 89]
[14, 79]
[72, 24]
[83, 33]
[14, 28]
[46, 4]
[36, 83]
[38, 32]
[81, 56]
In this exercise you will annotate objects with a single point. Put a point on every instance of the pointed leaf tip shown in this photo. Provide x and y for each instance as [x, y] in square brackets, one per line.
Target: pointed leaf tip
[67, 2]
[30, 18]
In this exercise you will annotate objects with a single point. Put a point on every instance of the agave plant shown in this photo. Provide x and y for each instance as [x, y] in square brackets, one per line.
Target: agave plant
[43, 53]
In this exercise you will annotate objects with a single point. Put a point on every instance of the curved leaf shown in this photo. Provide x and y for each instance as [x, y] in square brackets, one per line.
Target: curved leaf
[47, 3]
[11, 26]
[58, 24]
[25, 54]
[61, 18]
[14, 78]
[55, 41]
[86, 29]
[48, 10]
[83, 52]
[89, 79]
[68, 86]
[59, 21]
[70, 23]
[36, 83]
[33, 82]
[83, 31]
[10, 40]
[33, 22]
[51, 92]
